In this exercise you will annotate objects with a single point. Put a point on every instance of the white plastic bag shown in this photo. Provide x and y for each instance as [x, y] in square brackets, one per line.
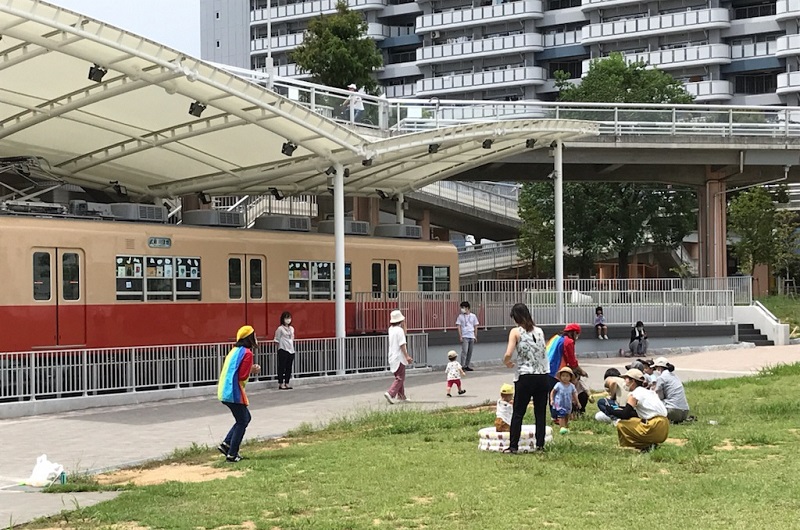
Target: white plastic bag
[44, 472]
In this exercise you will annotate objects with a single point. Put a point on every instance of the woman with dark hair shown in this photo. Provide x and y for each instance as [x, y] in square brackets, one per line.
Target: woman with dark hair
[531, 377]
[616, 395]
[638, 344]
[236, 370]
[284, 336]
[670, 389]
[643, 422]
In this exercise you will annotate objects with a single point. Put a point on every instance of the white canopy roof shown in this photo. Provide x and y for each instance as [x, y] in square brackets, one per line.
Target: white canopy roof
[133, 126]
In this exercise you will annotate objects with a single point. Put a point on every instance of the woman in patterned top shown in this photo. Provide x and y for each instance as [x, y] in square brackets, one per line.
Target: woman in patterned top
[531, 377]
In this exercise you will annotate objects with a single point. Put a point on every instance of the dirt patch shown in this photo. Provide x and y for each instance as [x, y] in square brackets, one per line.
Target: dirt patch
[664, 471]
[422, 500]
[170, 473]
[247, 525]
[116, 526]
[728, 445]
[680, 442]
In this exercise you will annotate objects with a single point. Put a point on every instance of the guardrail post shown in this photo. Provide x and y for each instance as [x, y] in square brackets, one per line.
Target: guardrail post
[664, 306]
[340, 356]
[617, 129]
[85, 372]
[674, 119]
[730, 122]
[32, 375]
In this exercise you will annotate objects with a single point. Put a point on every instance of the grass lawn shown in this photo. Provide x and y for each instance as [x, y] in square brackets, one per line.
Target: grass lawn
[408, 469]
[785, 308]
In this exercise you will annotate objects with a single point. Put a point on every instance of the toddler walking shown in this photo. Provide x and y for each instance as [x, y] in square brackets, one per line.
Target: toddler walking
[505, 408]
[562, 398]
[454, 372]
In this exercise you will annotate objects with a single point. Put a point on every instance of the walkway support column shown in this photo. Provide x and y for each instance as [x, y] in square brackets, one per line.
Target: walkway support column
[339, 294]
[399, 209]
[712, 220]
[558, 182]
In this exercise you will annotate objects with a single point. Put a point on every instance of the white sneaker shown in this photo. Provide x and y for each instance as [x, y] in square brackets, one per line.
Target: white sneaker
[388, 398]
[405, 400]
[605, 337]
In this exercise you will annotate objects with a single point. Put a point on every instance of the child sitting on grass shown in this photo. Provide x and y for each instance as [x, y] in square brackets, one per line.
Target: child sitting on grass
[454, 372]
[505, 407]
[584, 396]
[562, 398]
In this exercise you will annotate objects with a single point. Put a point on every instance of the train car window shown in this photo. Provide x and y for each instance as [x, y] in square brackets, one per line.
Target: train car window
[425, 278]
[187, 279]
[160, 278]
[348, 281]
[70, 276]
[392, 280]
[235, 278]
[441, 279]
[377, 280]
[41, 276]
[256, 280]
[321, 277]
[130, 278]
[299, 278]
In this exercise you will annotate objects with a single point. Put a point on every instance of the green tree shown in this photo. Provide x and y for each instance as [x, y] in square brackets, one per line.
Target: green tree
[619, 217]
[751, 215]
[535, 243]
[787, 241]
[336, 50]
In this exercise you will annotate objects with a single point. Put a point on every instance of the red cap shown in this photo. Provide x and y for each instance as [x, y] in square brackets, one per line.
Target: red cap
[573, 327]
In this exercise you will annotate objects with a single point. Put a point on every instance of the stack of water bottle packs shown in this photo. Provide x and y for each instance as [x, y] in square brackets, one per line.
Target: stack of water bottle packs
[491, 440]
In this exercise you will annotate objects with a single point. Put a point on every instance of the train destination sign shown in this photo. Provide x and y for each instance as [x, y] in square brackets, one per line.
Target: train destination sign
[159, 242]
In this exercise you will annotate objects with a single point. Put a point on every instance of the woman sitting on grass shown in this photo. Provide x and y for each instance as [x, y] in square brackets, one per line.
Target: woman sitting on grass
[670, 389]
[651, 427]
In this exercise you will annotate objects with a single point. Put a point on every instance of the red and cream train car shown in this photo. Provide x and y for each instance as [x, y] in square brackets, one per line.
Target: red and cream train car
[88, 283]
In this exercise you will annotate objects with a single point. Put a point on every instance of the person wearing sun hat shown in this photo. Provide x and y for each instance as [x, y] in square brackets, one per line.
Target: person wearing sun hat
[670, 389]
[564, 398]
[643, 422]
[505, 408]
[236, 370]
[398, 357]
[355, 102]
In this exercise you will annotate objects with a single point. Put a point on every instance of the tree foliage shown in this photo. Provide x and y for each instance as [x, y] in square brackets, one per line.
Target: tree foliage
[337, 52]
[787, 241]
[535, 243]
[619, 217]
[751, 215]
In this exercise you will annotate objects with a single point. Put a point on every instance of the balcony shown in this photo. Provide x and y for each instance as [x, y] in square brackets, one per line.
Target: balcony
[787, 10]
[311, 9]
[287, 70]
[401, 91]
[787, 45]
[527, 42]
[590, 5]
[522, 75]
[293, 40]
[563, 38]
[703, 55]
[716, 90]
[788, 83]
[684, 21]
[521, 10]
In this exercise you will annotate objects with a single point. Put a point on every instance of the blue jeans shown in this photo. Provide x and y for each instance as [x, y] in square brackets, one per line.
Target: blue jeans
[242, 416]
[466, 352]
[605, 405]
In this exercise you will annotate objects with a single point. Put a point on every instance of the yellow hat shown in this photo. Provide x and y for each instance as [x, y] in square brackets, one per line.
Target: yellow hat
[507, 389]
[244, 331]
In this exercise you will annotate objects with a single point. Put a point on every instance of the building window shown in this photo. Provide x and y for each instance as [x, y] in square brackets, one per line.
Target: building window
[433, 278]
[552, 5]
[70, 276]
[756, 84]
[41, 276]
[765, 9]
[573, 68]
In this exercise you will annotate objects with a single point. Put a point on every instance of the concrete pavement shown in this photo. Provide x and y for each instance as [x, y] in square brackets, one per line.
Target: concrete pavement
[107, 438]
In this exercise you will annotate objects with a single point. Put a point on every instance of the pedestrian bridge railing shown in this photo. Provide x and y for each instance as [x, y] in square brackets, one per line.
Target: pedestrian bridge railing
[742, 286]
[477, 259]
[473, 197]
[437, 311]
[54, 374]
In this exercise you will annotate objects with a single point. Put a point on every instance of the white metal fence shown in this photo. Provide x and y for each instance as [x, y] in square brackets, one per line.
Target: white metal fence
[438, 311]
[475, 197]
[27, 376]
[742, 286]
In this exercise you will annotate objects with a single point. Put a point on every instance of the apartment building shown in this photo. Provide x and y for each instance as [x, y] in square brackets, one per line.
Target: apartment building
[725, 51]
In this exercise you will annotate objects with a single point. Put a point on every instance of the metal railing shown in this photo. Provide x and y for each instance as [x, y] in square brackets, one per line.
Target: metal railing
[430, 311]
[476, 259]
[398, 116]
[53, 374]
[741, 286]
[473, 196]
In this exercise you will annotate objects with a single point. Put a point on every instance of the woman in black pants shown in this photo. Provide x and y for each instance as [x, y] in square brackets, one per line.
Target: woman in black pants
[284, 336]
[531, 378]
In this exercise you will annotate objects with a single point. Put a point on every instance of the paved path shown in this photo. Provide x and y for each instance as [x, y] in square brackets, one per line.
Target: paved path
[113, 437]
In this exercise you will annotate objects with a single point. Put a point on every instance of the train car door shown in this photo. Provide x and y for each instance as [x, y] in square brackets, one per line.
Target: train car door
[58, 280]
[247, 285]
[385, 279]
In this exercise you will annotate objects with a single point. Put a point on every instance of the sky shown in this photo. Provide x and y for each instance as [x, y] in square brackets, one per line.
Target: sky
[175, 23]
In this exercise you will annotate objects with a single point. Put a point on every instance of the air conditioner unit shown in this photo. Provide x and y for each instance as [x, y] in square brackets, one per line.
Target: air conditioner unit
[213, 218]
[351, 228]
[128, 211]
[286, 223]
[401, 231]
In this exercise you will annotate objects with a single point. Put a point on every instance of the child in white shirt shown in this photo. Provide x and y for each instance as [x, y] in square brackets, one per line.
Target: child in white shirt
[454, 373]
[505, 408]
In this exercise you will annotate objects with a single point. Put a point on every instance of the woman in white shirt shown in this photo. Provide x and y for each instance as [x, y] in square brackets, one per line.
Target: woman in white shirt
[643, 422]
[284, 336]
[531, 378]
[398, 357]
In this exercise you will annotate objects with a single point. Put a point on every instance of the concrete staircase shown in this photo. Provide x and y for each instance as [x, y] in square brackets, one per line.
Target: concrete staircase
[749, 333]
